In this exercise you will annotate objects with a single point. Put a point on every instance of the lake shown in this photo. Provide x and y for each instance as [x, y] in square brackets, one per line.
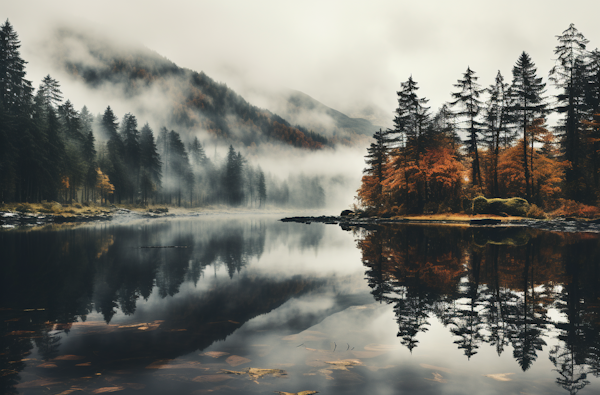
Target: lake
[248, 304]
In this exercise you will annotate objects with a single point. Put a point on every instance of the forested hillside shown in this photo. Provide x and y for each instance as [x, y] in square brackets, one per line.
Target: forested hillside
[189, 100]
[495, 142]
[52, 152]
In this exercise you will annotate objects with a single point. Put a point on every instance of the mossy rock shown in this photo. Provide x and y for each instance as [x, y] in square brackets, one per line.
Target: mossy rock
[513, 206]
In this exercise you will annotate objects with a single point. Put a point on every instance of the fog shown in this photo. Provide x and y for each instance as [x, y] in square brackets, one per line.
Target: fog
[350, 56]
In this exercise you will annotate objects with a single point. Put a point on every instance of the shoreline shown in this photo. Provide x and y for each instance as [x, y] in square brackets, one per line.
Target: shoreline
[569, 225]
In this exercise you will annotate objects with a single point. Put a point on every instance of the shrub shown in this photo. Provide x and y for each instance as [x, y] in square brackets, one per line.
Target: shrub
[536, 212]
[24, 208]
[571, 208]
[77, 205]
[480, 205]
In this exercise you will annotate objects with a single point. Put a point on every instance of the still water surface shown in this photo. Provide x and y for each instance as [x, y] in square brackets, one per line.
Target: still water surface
[254, 305]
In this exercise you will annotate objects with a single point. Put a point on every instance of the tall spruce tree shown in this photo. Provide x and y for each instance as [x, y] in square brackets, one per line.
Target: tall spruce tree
[497, 126]
[116, 151]
[527, 91]
[150, 181]
[569, 76]
[469, 108]
[131, 145]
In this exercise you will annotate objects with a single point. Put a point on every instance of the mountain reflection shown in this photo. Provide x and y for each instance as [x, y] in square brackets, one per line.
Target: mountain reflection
[493, 286]
[53, 279]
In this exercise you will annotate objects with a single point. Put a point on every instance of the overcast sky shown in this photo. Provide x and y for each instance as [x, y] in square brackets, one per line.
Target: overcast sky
[346, 54]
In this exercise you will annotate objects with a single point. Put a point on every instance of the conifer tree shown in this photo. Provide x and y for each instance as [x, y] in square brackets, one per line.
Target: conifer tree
[150, 164]
[131, 145]
[469, 108]
[497, 131]
[527, 104]
[569, 77]
[116, 151]
[262, 189]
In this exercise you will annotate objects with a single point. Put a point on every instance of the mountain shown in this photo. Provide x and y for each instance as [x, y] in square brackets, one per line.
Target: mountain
[301, 109]
[175, 97]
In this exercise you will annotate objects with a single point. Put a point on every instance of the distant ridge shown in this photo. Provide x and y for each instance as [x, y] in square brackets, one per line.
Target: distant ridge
[187, 99]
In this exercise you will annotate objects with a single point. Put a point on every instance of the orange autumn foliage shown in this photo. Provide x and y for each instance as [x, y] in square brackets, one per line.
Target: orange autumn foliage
[546, 174]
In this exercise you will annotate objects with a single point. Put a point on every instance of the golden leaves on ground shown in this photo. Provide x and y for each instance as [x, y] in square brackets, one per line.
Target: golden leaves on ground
[499, 376]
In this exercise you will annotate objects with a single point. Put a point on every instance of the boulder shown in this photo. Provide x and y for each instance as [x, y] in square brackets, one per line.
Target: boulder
[513, 206]
[346, 213]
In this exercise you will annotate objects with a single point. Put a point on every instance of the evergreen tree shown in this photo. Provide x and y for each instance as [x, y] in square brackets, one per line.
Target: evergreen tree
[131, 145]
[262, 189]
[526, 90]
[497, 131]
[50, 92]
[116, 152]
[569, 77]
[232, 178]
[15, 90]
[467, 99]
[150, 164]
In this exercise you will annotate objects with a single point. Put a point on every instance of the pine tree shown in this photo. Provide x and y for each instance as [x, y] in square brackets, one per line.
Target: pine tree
[467, 99]
[262, 189]
[131, 145]
[526, 91]
[497, 131]
[569, 77]
[150, 164]
[116, 152]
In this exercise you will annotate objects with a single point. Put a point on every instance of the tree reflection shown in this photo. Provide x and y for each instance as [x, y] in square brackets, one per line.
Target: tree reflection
[493, 286]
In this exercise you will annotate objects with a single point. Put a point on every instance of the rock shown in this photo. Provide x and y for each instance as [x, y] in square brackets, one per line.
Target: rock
[345, 213]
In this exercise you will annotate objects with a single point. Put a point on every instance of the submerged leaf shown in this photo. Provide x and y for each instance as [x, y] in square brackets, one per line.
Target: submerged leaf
[236, 360]
[107, 389]
[296, 393]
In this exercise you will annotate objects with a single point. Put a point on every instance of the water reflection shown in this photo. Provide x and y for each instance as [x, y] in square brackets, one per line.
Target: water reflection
[52, 279]
[167, 306]
[493, 286]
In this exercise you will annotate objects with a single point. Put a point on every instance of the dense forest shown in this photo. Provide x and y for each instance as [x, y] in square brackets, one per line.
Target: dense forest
[495, 142]
[49, 151]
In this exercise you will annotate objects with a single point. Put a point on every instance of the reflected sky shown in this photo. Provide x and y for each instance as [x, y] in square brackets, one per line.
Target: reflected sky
[197, 305]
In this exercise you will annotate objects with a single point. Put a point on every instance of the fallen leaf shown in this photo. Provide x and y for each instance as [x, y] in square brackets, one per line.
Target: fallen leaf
[158, 364]
[499, 376]
[211, 378]
[70, 391]
[236, 360]
[296, 393]
[37, 383]
[424, 365]
[68, 358]
[379, 347]
[47, 365]
[344, 364]
[135, 386]
[257, 373]
[84, 364]
[437, 377]
[107, 389]
[215, 354]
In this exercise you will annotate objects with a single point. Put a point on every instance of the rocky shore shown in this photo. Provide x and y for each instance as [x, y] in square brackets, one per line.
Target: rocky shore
[555, 225]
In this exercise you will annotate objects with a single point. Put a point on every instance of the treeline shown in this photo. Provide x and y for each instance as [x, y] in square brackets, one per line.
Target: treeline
[49, 152]
[423, 165]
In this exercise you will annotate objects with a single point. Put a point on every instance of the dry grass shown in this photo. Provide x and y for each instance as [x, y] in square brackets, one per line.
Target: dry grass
[458, 217]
